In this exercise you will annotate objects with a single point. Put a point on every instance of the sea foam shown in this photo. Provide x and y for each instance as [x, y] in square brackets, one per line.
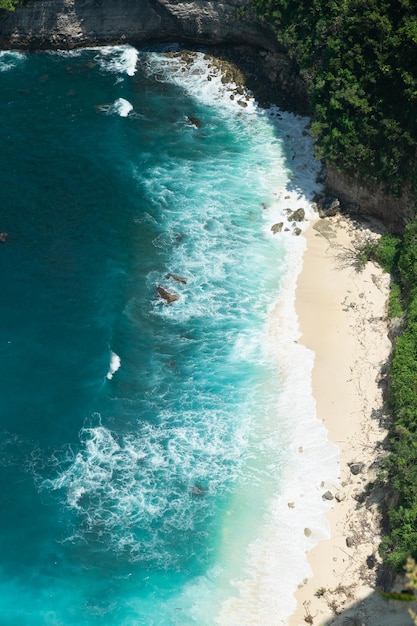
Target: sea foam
[115, 363]
[10, 59]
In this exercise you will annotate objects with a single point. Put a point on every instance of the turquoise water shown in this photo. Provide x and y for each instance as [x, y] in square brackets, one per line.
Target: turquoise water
[141, 443]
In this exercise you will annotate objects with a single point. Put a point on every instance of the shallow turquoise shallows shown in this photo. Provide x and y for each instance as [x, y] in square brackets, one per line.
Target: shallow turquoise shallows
[137, 450]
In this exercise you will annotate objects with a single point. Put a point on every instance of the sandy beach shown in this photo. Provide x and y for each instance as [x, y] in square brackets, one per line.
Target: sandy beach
[342, 317]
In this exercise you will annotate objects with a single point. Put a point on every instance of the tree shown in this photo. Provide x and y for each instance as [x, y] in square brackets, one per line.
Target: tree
[8, 5]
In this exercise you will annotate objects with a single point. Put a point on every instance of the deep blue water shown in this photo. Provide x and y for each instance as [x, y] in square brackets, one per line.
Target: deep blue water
[125, 488]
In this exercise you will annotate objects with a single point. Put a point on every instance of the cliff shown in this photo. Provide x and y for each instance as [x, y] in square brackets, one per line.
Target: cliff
[74, 23]
[363, 198]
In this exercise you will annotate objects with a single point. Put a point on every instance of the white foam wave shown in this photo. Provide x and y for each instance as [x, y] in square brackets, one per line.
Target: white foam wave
[10, 59]
[122, 107]
[118, 59]
[136, 492]
[114, 364]
[200, 78]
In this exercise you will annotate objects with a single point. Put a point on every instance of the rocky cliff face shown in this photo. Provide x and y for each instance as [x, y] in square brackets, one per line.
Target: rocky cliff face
[71, 23]
[363, 198]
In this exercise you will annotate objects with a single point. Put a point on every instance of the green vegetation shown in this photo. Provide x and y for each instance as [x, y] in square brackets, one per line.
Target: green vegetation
[387, 254]
[399, 257]
[357, 58]
[9, 5]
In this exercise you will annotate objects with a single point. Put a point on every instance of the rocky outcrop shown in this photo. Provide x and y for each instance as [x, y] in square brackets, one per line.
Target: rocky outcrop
[73, 23]
[178, 279]
[166, 295]
[363, 198]
[297, 216]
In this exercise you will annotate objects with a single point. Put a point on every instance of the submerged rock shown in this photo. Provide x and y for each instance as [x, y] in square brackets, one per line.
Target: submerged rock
[193, 121]
[179, 279]
[3, 237]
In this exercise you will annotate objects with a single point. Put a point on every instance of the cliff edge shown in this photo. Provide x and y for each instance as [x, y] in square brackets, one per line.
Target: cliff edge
[51, 24]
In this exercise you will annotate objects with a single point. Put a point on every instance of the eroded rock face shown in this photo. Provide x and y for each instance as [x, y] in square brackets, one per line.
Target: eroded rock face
[363, 198]
[72, 23]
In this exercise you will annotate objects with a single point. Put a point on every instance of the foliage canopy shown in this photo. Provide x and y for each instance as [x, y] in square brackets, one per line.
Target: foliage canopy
[9, 5]
[358, 60]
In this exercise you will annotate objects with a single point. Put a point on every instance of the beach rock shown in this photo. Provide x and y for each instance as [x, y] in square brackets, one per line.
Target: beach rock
[340, 496]
[371, 561]
[307, 532]
[291, 505]
[179, 279]
[297, 216]
[328, 206]
[396, 326]
[297, 232]
[3, 237]
[277, 228]
[350, 542]
[166, 295]
[356, 468]
[328, 495]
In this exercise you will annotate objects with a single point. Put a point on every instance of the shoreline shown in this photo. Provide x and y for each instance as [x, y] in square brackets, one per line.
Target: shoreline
[342, 319]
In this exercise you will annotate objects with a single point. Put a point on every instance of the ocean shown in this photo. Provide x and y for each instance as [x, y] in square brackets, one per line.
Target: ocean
[159, 463]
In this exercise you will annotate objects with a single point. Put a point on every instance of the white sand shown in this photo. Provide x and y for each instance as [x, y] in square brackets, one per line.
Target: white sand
[342, 319]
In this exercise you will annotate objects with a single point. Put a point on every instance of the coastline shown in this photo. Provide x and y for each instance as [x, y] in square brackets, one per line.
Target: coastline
[342, 318]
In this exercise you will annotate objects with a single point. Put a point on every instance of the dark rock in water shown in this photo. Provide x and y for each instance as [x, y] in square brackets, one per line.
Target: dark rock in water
[179, 279]
[198, 491]
[297, 216]
[3, 237]
[194, 121]
[276, 228]
[166, 295]
[297, 231]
